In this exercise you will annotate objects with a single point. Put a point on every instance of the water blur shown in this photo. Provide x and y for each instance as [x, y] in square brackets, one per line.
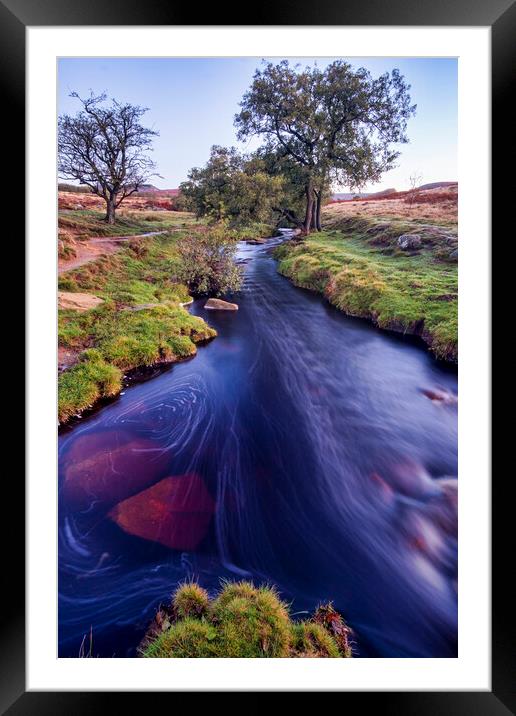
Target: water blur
[300, 447]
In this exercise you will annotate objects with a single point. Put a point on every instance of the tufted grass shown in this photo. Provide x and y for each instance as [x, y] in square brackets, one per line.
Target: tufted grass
[241, 621]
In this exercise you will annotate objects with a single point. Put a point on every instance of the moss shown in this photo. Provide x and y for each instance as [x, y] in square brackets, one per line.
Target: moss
[312, 640]
[190, 600]
[397, 291]
[255, 624]
[242, 621]
[234, 590]
[190, 638]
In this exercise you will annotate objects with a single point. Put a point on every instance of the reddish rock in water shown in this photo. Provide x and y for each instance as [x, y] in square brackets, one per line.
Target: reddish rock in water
[411, 479]
[176, 512]
[444, 508]
[439, 396]
[108, 467]
[384, 489]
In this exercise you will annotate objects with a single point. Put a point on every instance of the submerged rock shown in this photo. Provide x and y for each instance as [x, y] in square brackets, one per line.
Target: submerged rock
[439, 395]
[176, 512]
[105, 468]
[217, 304]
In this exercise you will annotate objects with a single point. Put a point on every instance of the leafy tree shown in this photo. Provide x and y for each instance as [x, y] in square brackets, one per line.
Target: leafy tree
[337, 124]
[106, 149]
[288, 204]
[232, 187]
[207, 262]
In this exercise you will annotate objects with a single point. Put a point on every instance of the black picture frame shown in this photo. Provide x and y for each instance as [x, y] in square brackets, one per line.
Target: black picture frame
[500, 15]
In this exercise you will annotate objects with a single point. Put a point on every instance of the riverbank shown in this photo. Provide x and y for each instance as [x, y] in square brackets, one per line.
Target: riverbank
[122, 309]
[363, 268]
[139, 319]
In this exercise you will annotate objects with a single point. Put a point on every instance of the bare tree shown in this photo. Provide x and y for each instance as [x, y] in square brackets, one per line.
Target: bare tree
[415, 180]
[105, 147]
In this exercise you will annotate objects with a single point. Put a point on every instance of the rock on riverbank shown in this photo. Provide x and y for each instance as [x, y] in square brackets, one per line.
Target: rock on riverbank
[217, 304]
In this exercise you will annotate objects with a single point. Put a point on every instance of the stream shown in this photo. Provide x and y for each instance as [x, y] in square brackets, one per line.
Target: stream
[300, 447]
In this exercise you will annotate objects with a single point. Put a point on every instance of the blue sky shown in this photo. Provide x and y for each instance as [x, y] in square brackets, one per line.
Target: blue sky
[192, 102]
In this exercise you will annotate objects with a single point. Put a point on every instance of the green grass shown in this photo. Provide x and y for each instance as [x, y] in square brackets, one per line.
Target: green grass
[362, 272]
[86, 223]
[85, 383]
[242, 621]
[124, 334]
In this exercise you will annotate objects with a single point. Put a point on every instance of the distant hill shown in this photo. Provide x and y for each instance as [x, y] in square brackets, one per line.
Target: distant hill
[438, 185]
[150, 189]
[347, 196]
[146, 188]
[75, 188]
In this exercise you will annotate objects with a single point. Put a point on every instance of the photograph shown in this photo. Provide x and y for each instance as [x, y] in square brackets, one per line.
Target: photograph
[257, 359]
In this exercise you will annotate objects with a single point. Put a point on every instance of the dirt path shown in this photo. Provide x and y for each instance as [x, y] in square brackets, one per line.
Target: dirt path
[91, 249]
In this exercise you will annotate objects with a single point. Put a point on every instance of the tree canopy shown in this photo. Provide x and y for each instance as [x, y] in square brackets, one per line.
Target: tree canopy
[338, 124]
[233, 187]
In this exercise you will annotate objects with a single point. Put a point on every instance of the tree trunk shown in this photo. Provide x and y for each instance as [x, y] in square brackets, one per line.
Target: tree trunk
[309, 207]
[314, 212]
[110, 213]
[318, 210]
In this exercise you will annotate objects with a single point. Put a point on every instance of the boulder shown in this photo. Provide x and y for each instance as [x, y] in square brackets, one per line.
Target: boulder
[409, 241]
[217, 304]
[77, 301]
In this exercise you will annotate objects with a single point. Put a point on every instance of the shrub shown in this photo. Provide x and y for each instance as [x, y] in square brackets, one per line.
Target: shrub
[207, 262]
[67, 284]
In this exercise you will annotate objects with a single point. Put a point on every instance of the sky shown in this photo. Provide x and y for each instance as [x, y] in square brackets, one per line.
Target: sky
[192, 103]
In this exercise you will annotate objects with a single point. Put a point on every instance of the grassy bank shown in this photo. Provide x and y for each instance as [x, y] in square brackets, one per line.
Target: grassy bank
[139, 323]
[76, 226]
[242, 621]
[359, 267]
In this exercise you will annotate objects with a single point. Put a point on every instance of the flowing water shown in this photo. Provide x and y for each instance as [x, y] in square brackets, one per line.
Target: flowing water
[299, 448]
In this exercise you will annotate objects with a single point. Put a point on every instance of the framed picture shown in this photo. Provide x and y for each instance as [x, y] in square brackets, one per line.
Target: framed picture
[262, 448]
